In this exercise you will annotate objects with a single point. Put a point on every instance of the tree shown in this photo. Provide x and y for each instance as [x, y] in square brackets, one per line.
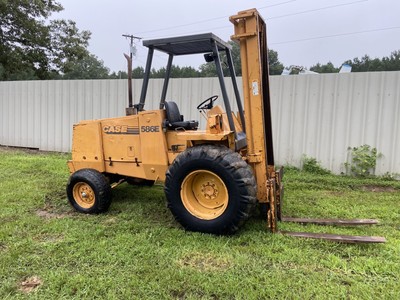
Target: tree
[393, 62]
[176, 72]
[68, 46]
[327, 68]
[208, 69]
[34, 47]
[137, 73]
[88, 67]
[184, 72]
[275, 66]
[366, 64]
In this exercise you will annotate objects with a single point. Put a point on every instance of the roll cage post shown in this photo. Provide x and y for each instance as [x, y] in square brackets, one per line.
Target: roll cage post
[196, 44]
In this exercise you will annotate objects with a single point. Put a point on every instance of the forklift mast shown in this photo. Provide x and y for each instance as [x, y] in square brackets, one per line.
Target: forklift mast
[250, 31]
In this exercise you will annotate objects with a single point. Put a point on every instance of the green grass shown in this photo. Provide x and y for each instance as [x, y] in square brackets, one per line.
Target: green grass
[138, 251]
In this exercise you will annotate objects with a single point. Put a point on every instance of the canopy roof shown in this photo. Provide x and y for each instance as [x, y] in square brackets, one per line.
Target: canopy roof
[190, 44]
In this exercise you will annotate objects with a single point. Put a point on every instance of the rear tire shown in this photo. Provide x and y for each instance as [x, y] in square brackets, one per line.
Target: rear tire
[210, 189]
[88, 191]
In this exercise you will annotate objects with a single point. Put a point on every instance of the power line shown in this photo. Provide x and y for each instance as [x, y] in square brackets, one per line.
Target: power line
[335, 35]
[182, 25]
[287, 15]
[271, 18]
[209, 20]
[277, 4]
[316, 9]
[194, 32]
[330, 36]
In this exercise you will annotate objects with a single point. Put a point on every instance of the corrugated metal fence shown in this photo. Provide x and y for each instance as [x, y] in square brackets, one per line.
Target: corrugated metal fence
[315, 115]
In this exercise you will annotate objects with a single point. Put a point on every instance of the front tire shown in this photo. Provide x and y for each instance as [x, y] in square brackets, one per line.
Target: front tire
[210, 189]
[88, 191]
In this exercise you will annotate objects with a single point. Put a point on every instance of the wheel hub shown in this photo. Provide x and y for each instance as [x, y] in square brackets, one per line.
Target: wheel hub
[84, 195]
[209, 190]
[204, 194]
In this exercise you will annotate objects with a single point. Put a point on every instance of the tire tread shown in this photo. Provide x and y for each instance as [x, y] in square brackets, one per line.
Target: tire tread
[226, 159]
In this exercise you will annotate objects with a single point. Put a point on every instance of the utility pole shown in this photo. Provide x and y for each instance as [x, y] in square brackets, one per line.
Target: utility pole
[132, 38]
[130, 109]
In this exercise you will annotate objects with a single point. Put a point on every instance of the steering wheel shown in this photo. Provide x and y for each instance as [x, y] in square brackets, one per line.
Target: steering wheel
[208, 103]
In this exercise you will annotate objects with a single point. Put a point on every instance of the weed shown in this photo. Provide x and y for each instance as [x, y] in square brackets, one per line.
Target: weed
[363, 160]
[311, 165]
[390, 176]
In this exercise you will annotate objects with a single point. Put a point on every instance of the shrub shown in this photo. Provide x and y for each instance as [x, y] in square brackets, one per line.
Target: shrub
[363, 160]
[311, 165]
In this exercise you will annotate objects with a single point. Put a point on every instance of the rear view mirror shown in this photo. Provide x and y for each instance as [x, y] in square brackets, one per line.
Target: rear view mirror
[209, 57]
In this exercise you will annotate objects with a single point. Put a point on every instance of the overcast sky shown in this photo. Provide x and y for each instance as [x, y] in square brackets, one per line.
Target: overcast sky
[304, 32]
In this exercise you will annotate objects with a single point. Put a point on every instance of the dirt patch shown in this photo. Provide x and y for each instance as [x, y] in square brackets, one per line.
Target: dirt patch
[110, 221]
[189, 294]
[378, 189]
[55, 206]
[178, 294]
[3, 247]
[8, 149]
[30, 284]
[28, 150]
[49, 238]
[52, 215]
[205, 262]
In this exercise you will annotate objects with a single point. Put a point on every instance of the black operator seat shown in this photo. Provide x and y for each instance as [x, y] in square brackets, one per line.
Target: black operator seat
[175, 119]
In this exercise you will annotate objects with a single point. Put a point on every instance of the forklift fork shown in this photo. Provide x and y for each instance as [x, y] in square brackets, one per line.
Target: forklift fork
[250, 31]
[276, 212]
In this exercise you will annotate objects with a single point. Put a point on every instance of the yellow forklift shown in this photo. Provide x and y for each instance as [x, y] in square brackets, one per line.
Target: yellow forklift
[214, 177]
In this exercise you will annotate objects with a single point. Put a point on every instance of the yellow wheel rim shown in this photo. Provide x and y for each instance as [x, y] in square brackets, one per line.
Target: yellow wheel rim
[84, 195]
[204, 194]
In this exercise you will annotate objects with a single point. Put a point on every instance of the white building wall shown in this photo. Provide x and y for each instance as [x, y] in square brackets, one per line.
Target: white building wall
[315, 115]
